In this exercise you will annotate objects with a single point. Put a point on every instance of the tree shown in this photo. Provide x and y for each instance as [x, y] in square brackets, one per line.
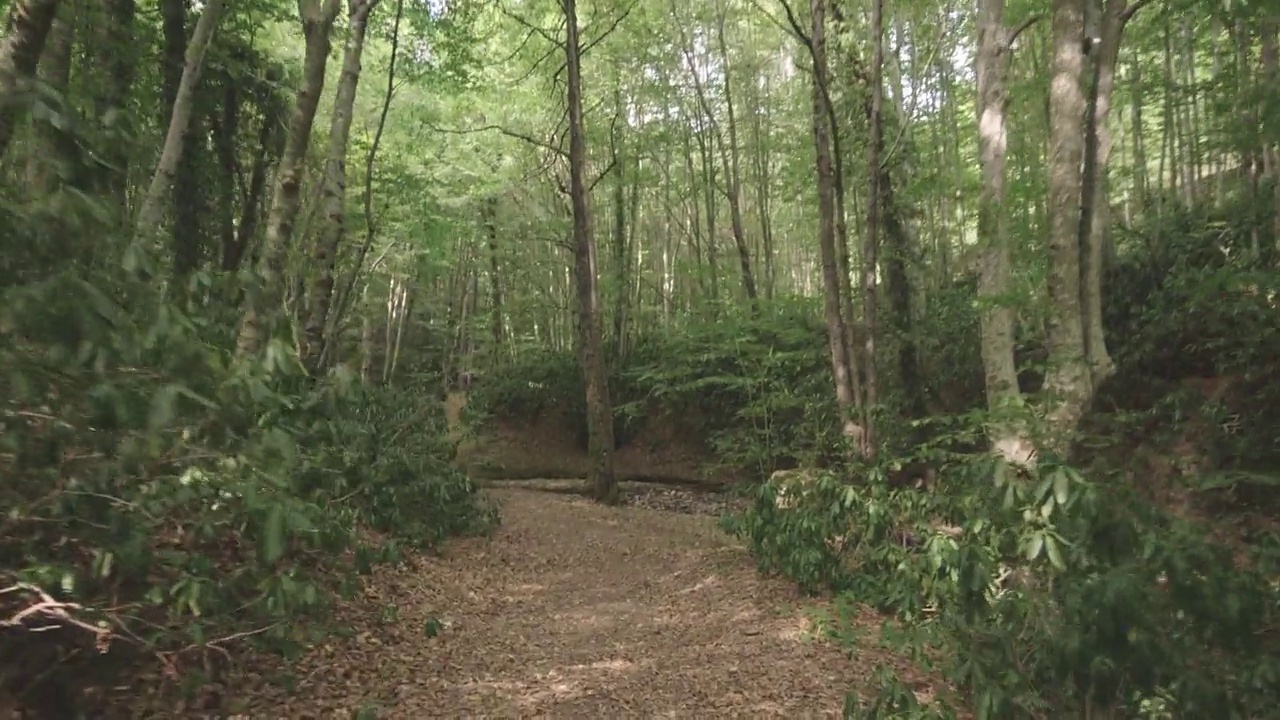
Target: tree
[317, 18]
[1069, 376]
[590, 341]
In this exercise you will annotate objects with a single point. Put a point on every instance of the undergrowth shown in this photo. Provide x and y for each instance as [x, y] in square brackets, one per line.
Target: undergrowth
[1103, 589]
[1059, 594]
[166, 503]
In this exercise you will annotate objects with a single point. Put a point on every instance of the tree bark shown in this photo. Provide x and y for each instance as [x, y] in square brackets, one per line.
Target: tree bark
[29, 23]
[115, 55]
[317, 18]
[871, 242]
[334, 186]
[837, 342]
[1068, 378]
[185, 239]
[151, 216]
[495, 280]
[1004, 401]
[600, 440]
[49, 161]
[1095, 209]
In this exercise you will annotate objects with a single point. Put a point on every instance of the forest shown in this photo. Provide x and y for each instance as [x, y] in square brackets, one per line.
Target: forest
[948, 331]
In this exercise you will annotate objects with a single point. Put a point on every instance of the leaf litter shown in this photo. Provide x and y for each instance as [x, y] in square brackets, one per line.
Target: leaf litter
[574, 610]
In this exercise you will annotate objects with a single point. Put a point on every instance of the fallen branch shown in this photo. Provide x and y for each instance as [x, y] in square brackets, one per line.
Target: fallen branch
[50, 609]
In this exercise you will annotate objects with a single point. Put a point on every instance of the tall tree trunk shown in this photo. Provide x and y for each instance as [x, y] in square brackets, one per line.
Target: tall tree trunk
[224, 121]
[49, 161]
[151, 216]
[269, 148]
[1270, 60]
[709, 202]
[619, 224]
[761, 131]
[1068, 377]
[334, 185]
[837, 342]
[600, 440]
[1008, 438]
[370, 221]
[317, 18]
[1095, 208]
[729, 159]
[1140, 180]
[871, 243]
[695, 217]
[29, 23]
[115, 56]
[186, 221]
[495, 280]
[844, 266]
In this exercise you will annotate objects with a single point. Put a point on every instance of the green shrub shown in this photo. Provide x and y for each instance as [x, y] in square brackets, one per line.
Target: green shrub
[1060, 595]
[175, 497]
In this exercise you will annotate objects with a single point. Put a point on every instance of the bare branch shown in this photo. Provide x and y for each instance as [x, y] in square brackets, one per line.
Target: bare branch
[46, 608]
[1132, 9]
[505, 131]
[609, 30]
[603, 173]
[795, 26]
[531, 26]
[1018, 30]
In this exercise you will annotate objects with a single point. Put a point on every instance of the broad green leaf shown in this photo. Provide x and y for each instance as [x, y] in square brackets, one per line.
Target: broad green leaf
[1061, 487]
[1035, 545]
[273, 535]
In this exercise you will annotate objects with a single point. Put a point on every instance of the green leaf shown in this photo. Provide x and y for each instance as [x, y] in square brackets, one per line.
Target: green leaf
[273, 535]
[163, 407]
[1055, 553]
[1035, 545]
[1061, 487]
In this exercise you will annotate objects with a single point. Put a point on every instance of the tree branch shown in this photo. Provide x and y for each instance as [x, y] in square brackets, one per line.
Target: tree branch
[795, 26]
[505, 131]
[531, 27]
[1132, 9]
[608, 31]
[1018, 30]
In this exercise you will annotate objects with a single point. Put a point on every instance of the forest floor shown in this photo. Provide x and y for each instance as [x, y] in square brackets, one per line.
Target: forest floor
[576, 610]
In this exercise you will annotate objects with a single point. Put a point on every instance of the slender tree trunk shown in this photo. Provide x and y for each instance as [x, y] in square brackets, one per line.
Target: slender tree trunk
[761, 131]
[495, 281]
[224, 121]
[318, 17]
[1270, 59]
[871, 243]
[185, 195]
[368, 341]
[1139, 142]
[600, 440]
[334, 185]
[370, 221]
[151, 216]
[619, 225]
[709, 202]
[46, 164]
[832, 306]
[729, 157]
[269, 148]
[1095, 209]
[1008, 438]
[1068, 378]
[29, 22]
[115, 56]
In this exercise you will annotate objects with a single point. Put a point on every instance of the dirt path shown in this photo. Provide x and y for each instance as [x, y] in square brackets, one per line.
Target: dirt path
[574, 610]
